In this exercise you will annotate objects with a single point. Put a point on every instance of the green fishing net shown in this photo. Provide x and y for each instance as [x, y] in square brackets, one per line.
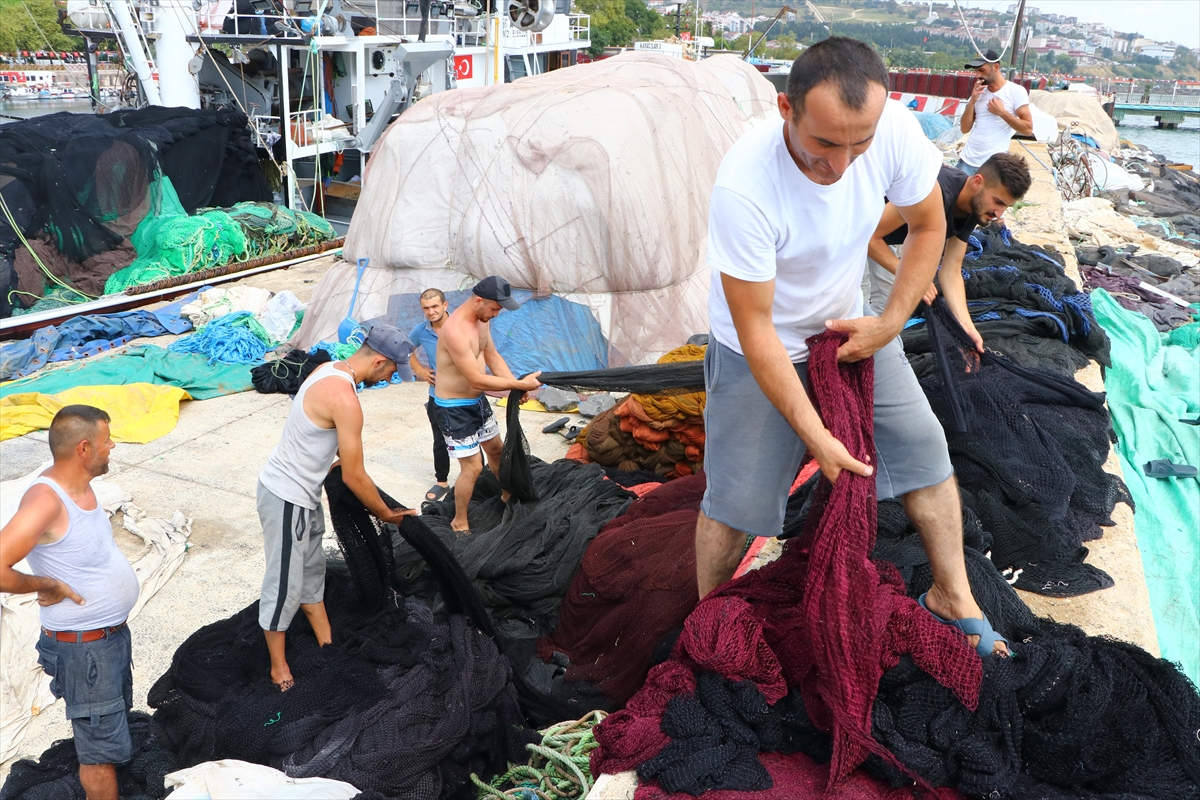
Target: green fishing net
[173, 243]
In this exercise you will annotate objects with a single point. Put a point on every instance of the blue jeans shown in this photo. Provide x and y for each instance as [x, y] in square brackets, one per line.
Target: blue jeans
[963, 166]
[96, 681]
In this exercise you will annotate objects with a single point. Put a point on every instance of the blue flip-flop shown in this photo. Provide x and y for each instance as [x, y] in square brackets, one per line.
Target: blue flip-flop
[973, 627]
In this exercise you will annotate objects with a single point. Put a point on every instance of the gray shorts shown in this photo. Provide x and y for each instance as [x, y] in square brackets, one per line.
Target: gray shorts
[877, 284]
[752, 454]
[96, 681]
[295, 571]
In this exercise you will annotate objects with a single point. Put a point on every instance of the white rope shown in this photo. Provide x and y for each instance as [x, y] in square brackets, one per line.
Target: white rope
[1012, 37]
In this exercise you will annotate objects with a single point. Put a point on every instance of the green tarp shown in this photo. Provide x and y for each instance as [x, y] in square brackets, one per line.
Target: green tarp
[1151, 385]
[144, 364]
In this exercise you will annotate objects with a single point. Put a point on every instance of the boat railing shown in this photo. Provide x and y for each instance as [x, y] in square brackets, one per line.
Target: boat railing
[580, 27]
[298, 19]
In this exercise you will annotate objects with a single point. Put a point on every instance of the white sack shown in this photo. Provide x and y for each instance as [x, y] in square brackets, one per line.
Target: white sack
[239, 780]
[1084, 110]
[1112, 177]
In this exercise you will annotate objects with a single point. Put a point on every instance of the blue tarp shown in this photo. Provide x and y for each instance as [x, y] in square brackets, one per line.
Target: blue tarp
[83, 336]
[547, 333]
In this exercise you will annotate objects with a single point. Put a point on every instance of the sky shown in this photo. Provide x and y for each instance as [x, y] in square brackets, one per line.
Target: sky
[1164, 20]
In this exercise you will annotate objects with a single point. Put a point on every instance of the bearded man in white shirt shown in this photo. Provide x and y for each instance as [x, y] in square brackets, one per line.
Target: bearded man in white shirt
[997, 109]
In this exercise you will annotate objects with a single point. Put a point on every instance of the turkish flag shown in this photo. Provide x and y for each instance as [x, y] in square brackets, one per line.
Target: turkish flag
[463, 67]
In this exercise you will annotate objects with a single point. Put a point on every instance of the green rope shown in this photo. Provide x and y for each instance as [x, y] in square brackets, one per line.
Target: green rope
[53, 278]
[558, 767]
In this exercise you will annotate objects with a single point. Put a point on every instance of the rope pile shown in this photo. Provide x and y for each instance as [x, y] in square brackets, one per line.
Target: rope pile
[270, 229]
[236, 338]
[659, 433]
[558, 769]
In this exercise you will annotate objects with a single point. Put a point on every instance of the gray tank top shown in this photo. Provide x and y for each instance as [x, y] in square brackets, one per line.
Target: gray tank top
[298, 465]
[86, 558]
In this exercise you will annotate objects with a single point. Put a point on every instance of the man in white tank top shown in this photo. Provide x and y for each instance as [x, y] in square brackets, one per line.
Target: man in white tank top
[86, 589]
[325, 424]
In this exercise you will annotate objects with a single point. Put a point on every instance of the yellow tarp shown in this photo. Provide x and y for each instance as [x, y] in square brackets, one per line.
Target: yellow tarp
[528, 405]
[141, 412]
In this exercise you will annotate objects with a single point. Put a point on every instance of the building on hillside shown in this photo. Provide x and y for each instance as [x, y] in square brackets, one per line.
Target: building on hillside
[1164, 52]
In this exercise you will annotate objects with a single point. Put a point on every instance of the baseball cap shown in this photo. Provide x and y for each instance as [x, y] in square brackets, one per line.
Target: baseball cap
[498, 289]
[988, 57]
[390, 343]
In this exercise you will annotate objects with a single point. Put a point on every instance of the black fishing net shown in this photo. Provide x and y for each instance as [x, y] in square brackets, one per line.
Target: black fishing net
[520, 556]
[1028, 448]
[89, 180]
[400, 703]
[1024, 306]
[284, 375]
[1073, 717]
[55, 774]
[670, 378]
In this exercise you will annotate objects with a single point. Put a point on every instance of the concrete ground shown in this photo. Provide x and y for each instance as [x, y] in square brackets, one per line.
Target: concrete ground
[208, 467]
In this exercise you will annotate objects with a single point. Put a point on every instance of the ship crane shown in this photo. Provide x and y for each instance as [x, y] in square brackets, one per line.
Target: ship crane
[774, 22]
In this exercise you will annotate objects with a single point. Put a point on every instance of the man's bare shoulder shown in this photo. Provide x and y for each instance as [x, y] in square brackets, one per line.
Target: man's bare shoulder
[329, 395]
[40, 506]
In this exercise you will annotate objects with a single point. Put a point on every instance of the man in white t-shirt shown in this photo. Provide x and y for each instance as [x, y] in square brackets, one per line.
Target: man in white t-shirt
[997, 109]
[793, 209]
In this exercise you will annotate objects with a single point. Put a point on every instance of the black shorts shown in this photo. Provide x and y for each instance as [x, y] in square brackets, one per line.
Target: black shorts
[465, 423]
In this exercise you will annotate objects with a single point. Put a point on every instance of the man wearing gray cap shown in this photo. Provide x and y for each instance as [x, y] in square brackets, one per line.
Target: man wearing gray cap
[465, 353]
[325, 423]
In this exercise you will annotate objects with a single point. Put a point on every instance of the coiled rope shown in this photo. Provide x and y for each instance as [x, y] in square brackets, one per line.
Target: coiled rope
[557, 769]
[236, 338]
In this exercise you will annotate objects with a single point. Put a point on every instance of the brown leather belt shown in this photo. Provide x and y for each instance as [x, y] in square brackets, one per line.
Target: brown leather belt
[80, 637]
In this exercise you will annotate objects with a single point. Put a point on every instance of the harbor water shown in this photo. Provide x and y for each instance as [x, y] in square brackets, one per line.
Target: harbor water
[27, 109]
[1182, 145]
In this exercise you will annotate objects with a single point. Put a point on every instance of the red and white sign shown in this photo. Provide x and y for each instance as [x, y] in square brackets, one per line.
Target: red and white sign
[464, 67]
[685, 37]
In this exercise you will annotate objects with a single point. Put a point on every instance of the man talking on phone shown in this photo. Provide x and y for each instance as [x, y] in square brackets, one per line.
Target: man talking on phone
[997, 109]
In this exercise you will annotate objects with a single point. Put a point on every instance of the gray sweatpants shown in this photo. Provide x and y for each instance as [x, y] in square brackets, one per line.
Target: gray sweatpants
[295, 572]
[877, 284]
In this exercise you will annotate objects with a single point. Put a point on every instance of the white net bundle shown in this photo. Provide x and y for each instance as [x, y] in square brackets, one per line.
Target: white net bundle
[590, 182]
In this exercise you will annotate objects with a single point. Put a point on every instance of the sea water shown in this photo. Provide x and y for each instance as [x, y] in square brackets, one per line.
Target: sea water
[1182, 144]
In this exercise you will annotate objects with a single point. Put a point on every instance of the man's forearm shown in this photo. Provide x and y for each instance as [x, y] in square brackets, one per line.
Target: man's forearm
[918, 265]
[19, 583]
[882, 254]
[492, 383]
[776, 376]
[1021, 126]
[955, 290]
[365, 490]
[968, 117]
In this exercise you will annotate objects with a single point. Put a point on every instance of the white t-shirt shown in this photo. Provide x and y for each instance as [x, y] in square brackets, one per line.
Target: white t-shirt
[990, 133]
[768, 220]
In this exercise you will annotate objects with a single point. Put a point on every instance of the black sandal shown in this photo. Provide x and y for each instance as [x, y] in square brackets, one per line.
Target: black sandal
[436, 493]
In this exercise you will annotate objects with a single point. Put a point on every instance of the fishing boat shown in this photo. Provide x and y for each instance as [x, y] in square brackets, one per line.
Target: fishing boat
[321, 79]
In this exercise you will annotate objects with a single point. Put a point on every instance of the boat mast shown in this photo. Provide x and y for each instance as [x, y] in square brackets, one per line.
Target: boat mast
[1016, 40]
